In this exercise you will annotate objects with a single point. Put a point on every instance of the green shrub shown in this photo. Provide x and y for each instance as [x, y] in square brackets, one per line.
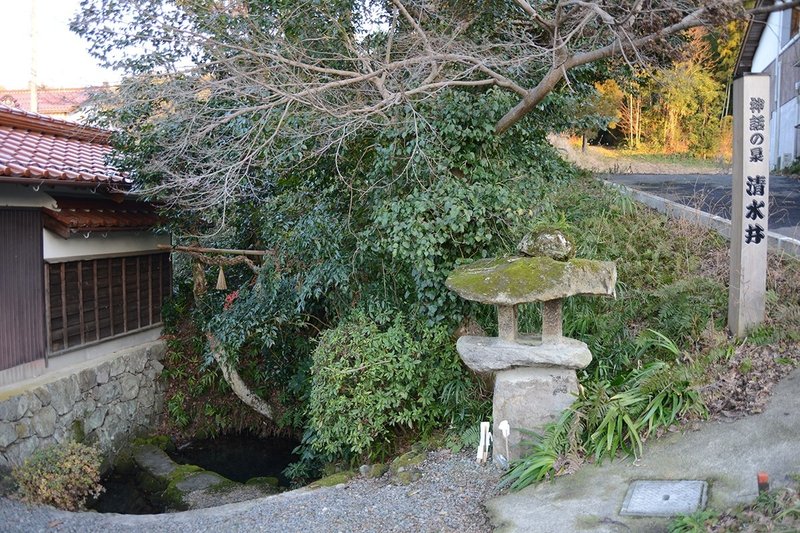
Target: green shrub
[63, 475]
[371, 382]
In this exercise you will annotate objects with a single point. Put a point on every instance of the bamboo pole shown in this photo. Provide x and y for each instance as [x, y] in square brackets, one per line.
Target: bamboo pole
[200, 250]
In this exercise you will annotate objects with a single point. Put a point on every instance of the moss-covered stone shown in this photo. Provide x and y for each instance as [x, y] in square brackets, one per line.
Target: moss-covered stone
[408, 460]
[266, 484]
[7, 484]
[78, 433]
[123, 461]
[333, 480]
[173, 482]
[377, 470]
[330, 469]
[263, 480]
[172, 494]
[162, 442]
[224, 487]
[406, 477]
[167, 485]
[516, 280]
[547, 242]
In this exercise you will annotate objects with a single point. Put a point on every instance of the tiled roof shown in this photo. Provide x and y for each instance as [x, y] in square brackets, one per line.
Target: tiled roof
[50, 101]
[77, 215]
[35, 149]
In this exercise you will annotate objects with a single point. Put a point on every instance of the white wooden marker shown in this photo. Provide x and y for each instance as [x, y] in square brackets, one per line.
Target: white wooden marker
[750, 210]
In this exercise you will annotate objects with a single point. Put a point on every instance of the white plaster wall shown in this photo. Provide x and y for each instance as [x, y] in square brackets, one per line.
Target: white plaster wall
[769, 45]
[57, 249]
[22, 196]
[786, 137]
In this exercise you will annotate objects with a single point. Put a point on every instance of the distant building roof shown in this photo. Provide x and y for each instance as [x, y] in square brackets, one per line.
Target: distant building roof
[50, 101]
[752, 36]
[35, 149]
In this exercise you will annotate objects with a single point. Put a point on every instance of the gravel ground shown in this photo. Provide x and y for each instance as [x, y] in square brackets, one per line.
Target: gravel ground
[448, 497]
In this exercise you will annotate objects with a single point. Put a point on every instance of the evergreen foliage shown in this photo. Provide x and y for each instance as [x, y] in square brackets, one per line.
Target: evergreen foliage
[372, 381]
[681, 107]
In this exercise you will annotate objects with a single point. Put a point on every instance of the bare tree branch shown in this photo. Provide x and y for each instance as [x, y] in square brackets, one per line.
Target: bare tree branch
[263, 87]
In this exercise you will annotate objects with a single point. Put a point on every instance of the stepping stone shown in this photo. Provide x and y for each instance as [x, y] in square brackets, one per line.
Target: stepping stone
[199, 481]
[154, 460]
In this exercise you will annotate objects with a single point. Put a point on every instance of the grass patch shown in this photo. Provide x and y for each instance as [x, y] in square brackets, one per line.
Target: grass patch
[660, 157]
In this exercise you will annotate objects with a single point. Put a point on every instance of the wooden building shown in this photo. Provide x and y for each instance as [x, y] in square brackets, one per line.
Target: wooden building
[81, 273]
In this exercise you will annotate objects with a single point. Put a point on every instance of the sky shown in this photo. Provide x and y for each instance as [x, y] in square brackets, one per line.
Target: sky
[63, 58]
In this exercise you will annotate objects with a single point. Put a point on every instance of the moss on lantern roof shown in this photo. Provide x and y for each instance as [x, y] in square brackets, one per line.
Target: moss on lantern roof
[515, 280]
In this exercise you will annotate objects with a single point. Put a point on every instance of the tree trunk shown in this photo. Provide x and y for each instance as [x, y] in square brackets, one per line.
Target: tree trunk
[638, 122]
[239, 387]
[534, 96]
[631, 124]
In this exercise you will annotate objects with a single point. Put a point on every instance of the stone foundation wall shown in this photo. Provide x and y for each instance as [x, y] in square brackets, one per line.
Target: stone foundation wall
[106, 401]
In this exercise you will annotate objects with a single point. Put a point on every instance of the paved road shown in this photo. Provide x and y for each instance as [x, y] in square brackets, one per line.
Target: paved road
[712, 193]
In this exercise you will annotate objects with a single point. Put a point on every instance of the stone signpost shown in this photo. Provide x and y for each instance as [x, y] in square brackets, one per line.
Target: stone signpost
[750, 210]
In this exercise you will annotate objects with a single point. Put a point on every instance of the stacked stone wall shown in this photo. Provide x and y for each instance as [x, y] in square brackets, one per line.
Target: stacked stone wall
[106, 403]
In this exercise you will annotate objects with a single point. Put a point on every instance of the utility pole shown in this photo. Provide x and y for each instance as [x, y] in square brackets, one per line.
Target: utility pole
[34, 100]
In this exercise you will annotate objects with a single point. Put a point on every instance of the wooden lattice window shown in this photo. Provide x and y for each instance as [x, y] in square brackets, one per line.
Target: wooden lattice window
[91, 300]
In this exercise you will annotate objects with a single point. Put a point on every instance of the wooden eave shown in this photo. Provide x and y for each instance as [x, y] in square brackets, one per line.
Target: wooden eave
[752, 36]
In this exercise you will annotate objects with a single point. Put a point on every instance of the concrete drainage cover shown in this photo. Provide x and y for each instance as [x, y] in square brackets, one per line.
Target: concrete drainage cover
[664, 497]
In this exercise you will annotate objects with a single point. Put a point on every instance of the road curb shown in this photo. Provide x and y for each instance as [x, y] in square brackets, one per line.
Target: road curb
[776, 241]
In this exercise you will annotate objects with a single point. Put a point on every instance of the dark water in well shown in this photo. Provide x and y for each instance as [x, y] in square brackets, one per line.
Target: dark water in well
[240, 457]
[124, 495]
[237, 457]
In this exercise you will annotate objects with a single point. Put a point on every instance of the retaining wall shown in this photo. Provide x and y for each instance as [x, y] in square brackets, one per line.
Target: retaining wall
[106, 401]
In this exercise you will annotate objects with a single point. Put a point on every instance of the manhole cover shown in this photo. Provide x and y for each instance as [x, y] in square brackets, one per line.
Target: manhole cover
[664, 497]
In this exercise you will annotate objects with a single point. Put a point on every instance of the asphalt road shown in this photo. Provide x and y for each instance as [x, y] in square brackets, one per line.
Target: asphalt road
[712, 193]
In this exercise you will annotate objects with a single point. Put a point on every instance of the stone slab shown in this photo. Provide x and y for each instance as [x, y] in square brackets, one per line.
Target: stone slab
[664, 497]
[153, 460]
[490, 354]
[529, 398]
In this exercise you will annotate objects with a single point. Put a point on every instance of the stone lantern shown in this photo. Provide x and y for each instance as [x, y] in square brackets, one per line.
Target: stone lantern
[535, 375]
